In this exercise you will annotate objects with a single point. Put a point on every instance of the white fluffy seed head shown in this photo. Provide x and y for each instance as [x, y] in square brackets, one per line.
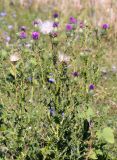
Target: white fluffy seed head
[14, 57]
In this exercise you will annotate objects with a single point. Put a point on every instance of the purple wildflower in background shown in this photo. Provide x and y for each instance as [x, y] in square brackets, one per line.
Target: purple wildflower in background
[8, 39]
[105, 26]
[91, 87]
[55, 15]
[30, 79]
[81, 25]
[35, 22]
[69, 27]
[35, 35]
[51, 80]
[23, 35]
[23, 28]
[75, 74]
[10, 27]
[52, 111]
[63, 114]
[55, 24]
[3, 14]
[72, 20]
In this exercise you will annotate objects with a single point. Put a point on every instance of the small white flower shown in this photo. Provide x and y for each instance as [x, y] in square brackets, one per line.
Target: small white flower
[14, 57]
[114, 68]
[63, 58]
[46, 27]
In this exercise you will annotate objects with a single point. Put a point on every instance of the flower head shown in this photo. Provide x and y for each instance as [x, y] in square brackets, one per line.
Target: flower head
[91, 87]
[63, 58]
[55, 15]
[3, 14]
[69, 27]
[51, 80]
[10, 27]
[81, 25]
[8, 39]
[23, 28]
[75, 74]
[37, 22]
[46, 27]
[35, 35]
[105, 26]
[30, 79]
[55, 24]
[52, 111]
[54, 34]
[14, 57]
[72, 20]
[23, 35]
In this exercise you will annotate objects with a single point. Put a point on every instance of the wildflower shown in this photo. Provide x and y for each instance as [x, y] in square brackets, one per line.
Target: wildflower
[28, 45]
[8, 38]
[37, 22]
[23, 35]
[63, 58]
[14, 57]
[69, 27]
[72, 20]
[10, 27]
[55, 15]
[23, 28]
[114, 69]
[53, 34]
[51, 80]
[52, 111]
[81, 25]
[35, 35]
[30, 79]
[104, 71]
[55, 24]
[105, 26]
[63, 114]
[91, 87]
[75, 74]
[46, 27]
[3, 14]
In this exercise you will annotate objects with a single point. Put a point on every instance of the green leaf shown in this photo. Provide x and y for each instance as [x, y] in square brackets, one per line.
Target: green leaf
[89, 113]
[108, 135]
[93, 155]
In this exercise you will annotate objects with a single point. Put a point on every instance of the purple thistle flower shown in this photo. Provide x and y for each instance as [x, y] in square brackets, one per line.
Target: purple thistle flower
[72, 20]
[69, 27]
[35, 35]
[75, 74]
[35, 22]
[55, 24]
[51, 80]
[55, 15]
[105, 26]
[81, 25]
[23, 35]
[23, 28]
[54, 34]
[91, 87]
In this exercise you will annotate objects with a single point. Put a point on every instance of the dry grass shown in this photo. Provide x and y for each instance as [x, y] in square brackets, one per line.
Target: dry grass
[100, 10]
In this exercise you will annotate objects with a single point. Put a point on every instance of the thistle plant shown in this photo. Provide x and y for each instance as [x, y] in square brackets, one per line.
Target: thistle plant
[50, 106]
